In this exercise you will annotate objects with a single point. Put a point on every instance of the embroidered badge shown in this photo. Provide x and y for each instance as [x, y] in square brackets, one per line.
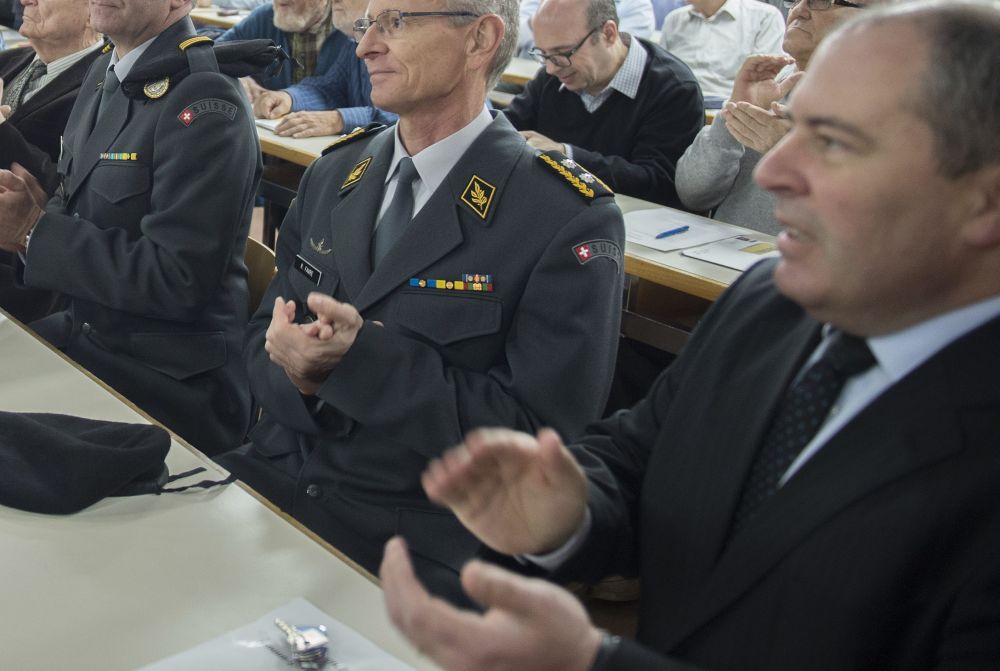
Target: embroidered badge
[318, 246]
[206, 106]
[119, 156]
[356, 173]
[585, 252]
[586, 183]
[478, 195]
[469, 282]
[156, 89]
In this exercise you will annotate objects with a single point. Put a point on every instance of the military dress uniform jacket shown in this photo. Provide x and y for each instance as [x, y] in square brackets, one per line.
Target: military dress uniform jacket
[146, 236]
[531, 344]
[882, 553]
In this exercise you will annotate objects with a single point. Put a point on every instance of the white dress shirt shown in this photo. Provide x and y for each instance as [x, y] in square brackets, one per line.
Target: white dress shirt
[57, 67]
[715, 47]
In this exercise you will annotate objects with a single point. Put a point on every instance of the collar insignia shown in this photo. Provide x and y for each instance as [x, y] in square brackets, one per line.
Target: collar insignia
[478, 195]
[156, 89]
[356, 173]
[318, 246]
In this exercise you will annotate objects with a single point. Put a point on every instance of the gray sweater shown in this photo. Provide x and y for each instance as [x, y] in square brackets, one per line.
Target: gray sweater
[716, 173]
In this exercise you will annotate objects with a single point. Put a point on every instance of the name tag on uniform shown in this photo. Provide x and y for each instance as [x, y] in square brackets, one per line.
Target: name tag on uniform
[313, 273]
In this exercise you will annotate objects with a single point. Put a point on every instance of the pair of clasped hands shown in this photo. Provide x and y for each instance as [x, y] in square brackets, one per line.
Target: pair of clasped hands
[753, 115]
[269, 104]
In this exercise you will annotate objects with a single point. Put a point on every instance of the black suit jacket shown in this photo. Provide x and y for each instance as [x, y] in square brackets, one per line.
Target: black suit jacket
[146, 236]
[534, 349]
[32, 137]
[882, 552]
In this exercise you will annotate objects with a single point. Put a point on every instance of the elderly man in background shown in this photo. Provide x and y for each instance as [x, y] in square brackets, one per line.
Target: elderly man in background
[715, 174]
[334, 102]
[813, 483]
[421, 292]
[39, 84]
[303, 28]
[619, 106]
[714, 37]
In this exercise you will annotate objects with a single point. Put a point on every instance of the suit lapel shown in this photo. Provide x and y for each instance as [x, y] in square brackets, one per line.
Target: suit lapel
[436, 229]
[105, 131]
[909, 427]
[65, 83]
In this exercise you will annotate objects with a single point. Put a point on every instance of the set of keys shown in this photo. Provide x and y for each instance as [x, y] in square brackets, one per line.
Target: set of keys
[308, 646]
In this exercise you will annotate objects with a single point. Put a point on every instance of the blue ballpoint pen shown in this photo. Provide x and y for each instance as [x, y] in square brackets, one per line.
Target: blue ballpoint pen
[672, 231]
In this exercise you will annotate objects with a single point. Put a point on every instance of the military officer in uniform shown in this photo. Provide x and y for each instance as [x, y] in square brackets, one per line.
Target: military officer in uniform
[146, 233]
[382, 339]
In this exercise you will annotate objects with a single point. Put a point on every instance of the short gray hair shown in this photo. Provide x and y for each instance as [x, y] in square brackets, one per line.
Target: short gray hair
[960, 88]
[600, 12]
[507, 10]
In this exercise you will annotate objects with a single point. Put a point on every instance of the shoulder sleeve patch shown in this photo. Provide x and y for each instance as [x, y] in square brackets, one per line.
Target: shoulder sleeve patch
[586, 184]
[354, 136]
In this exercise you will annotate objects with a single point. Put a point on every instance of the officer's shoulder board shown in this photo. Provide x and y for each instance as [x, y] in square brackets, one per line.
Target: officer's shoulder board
[586, 184]
[355, 135]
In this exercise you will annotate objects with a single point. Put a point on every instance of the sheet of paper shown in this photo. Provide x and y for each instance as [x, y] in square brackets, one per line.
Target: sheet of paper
[738, 252]
[642, 227]
[269, 124]
[246, 648]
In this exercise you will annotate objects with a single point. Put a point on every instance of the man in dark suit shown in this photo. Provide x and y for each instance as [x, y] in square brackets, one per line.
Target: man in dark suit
[39, 84]
[147, 230]
[377, 344]
[813, 483]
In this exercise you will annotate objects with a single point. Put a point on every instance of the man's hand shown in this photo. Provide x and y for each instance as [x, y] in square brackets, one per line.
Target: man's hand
[22, 204]
[540, 142]
[308, 352]
[272, 105]
[754, 127]
[519, 494]
[311, 124]
[529, 625]
[252, 88]
[756, 81]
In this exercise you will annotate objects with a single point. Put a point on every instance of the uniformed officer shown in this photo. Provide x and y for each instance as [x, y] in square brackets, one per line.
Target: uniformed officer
[383, 339]
[146, 233]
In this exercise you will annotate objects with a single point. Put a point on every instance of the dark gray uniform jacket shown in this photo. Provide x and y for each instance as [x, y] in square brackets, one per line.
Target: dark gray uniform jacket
[146, 236]
[536, 349]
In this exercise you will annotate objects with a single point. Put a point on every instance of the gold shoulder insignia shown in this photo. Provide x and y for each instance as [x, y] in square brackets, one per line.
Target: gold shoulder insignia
[585, 183]
[356, 173]
[156, 89]
[197, 39]
[107, 47]
[478, 195]
[354, 135]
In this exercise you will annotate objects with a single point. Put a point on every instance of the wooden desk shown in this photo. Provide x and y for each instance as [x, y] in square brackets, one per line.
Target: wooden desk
[130, 581]
[210, 16]
[520, 70]
[300, 151]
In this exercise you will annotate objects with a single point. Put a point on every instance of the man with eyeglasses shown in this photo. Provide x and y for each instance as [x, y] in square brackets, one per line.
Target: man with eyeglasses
[635, 17]
[433, 276]
[715, 174]
[621, 107]
[813, 483]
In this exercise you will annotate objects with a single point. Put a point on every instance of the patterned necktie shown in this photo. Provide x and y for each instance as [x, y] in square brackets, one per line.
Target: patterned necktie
[398, 214]
[802, 411]
[22, 85]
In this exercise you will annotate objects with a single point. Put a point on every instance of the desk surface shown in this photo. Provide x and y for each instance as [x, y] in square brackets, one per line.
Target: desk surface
[300, 151]
[130, 581]
[520, 70]
[210, 16]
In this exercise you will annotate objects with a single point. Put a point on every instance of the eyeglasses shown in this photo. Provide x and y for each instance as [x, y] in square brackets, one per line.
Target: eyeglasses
[391, 21]
[561, 59]
[822, 5]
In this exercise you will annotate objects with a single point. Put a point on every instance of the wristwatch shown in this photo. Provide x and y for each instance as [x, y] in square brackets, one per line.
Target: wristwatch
[609, 644]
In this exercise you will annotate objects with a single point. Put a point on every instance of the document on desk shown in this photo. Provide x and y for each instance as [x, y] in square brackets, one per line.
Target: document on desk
[738, 252]
[269, 124]
[660, 228]
[259, 646]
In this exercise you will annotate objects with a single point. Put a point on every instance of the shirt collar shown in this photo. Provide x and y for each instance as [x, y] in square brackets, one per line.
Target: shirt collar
[901, 352]
[435, 162]
[626, 80]
[124, 64]
[64, 63]
[734, 8]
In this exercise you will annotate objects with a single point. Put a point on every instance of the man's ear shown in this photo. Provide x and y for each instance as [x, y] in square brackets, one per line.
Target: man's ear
[982, 221]
[484, 40]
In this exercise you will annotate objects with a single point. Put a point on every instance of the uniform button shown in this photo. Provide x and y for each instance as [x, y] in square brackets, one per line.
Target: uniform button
[314, 491]
[86, 327]
[76, 214]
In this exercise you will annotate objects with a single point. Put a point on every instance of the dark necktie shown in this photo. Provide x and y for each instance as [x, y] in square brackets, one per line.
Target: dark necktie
[24, 84]
[398, 214]
[108, 88]
[800, 414]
